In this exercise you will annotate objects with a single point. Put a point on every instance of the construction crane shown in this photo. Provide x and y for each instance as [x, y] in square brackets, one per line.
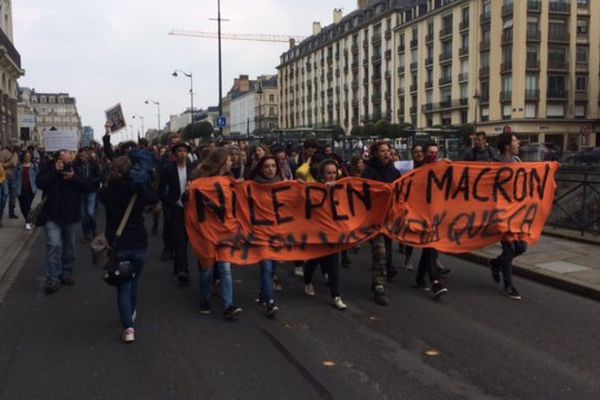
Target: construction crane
[234, 36]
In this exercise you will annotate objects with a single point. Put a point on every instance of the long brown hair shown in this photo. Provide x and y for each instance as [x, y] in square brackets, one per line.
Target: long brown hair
[212, 165]
[119, 169]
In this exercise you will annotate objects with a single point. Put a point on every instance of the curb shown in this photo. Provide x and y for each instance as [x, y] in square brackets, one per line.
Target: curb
[10, 260]
[545, 277]
[580, 239]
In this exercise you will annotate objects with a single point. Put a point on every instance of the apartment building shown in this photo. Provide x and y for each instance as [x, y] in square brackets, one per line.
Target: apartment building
[530, 64]
[256, 109]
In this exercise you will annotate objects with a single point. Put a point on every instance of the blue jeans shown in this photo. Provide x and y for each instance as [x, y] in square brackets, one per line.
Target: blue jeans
[510, 250]
[224, 269]
[267, 270]
[127, 292]
[88, 214]
[60, 250]
[12, 194]
[3, 197]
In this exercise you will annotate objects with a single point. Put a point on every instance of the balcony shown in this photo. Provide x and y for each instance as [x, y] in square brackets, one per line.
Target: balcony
[414, 43]
[534, 6]
[558, 65]
[463, 77]
[376, 59]
[366, 62]
[355, 86]
[532, 94]
[507, 10]
[365, 44]
[429, 61]
[505, 67]
[464, 51]
[581, 96]
[376, 98]
[365, 81]
[506, 96]
[429, 38]
[445, 57]
[428, 107]
[428, 84]
[413, 110]
[400, 91]
[485, 18]
[557, 94]
[9, 49]
[507, 37]
[532, 64]
[354, 49]
[534, 36]
[376, 38]
[447, 80]
[413, 87]
[414, 65]
[463, 26]
[354, 66]
[484, 45]
[484, 71]
[401, 49]
[558, 37]
[401, 70]
[559, 7]
[388, 34]
[376, 78]
[388, 54]
[446, 31]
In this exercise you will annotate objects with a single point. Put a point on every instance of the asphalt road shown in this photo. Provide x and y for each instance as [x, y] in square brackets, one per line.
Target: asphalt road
[485, 346]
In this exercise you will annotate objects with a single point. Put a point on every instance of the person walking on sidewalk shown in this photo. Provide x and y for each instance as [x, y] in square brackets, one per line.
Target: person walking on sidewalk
[329, 172]
[429, 256]
[267, 172]
[25, 177]
[9, 157]
[89, 170]
[217, 163]
[63, 186]
[173, 185]
[508, 146]
[132, 244]
[380, 167]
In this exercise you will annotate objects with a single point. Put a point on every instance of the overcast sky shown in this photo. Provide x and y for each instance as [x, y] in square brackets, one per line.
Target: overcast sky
[111, 51]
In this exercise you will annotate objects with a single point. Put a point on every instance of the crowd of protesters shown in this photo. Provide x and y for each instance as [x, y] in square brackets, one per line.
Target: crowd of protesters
[72, 185]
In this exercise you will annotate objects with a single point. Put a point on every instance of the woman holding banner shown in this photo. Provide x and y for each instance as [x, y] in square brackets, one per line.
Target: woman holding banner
[267, 172]
[329, 172]
[508, 147]
[217, 163]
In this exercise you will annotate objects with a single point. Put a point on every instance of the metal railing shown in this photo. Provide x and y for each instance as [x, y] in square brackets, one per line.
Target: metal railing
[577, 201]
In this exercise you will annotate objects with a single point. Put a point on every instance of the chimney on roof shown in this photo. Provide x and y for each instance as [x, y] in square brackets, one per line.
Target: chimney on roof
[337, 15]
[363, 4]
[292, 43]
[316, 28]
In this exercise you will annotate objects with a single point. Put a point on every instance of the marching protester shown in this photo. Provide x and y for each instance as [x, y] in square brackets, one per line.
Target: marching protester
[267, 171]
[133, 241]
[481, 151]
[428, 262]
[9, 157]
[328, 173]
[508, 147]
[380, 168]
[89, 170]
[25, 177]
[173, 185]
[238, 167]
[63, 186]
[166, 161]
[217, 163]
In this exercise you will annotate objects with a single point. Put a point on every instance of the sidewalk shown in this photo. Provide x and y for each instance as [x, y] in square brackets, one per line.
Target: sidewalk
[13, 237]
[557, 260]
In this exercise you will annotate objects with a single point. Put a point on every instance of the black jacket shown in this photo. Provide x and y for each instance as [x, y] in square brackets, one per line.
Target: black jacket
[63, 204]
[376, 171]
[168, 189]
[91, 171]
[115, 197]
[475, 154]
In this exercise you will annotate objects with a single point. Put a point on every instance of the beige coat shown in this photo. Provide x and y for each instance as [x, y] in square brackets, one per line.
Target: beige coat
[10, 162]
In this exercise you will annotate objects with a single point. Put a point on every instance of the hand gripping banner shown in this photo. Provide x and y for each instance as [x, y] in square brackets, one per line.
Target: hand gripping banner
[453, 207]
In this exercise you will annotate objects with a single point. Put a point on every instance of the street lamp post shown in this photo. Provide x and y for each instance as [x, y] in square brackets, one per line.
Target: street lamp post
[259, 92]
[157, 104]
[191, 90]
[141, 118]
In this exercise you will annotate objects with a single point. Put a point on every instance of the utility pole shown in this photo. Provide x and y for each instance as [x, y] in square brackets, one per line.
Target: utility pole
[219, 19]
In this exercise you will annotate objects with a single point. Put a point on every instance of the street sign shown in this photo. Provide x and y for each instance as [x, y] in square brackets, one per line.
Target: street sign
[222, 122]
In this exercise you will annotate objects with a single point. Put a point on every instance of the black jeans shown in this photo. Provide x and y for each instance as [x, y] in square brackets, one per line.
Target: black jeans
[427, 265]
[178, 238]
[25, 200]
[167, 239]
[330, 265]
[510, 250]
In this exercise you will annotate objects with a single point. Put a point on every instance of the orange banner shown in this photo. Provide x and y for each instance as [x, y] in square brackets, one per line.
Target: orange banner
[453, 207]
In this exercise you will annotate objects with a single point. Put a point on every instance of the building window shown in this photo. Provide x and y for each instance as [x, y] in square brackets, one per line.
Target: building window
[580, 111]
[487, 9]
[447, 119]
[582, 54]
[556, 111]
[583, 3]
[581, 83]
[464, 117]
[465, 17]
[485, 114]
[582, 26]
[531, 110]
[507, 111]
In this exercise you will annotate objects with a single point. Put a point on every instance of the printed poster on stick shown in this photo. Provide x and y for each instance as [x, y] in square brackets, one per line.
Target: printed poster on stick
[115, 119]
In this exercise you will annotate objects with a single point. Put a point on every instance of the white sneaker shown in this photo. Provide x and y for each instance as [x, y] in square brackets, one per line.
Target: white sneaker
[409, 267]
[129, 335]
[309, 290]
[28, 226]
[339, 304]
[298, 271]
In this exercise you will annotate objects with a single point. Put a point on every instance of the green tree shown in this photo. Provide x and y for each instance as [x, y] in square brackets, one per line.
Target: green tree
[202, 129]
[383, 128]
[356, 131]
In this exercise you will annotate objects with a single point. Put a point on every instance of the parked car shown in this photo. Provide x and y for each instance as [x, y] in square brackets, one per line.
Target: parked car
[585, 157]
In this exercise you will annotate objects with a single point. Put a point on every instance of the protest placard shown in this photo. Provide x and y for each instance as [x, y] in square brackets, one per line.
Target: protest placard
[61, 140]
[115, 118]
